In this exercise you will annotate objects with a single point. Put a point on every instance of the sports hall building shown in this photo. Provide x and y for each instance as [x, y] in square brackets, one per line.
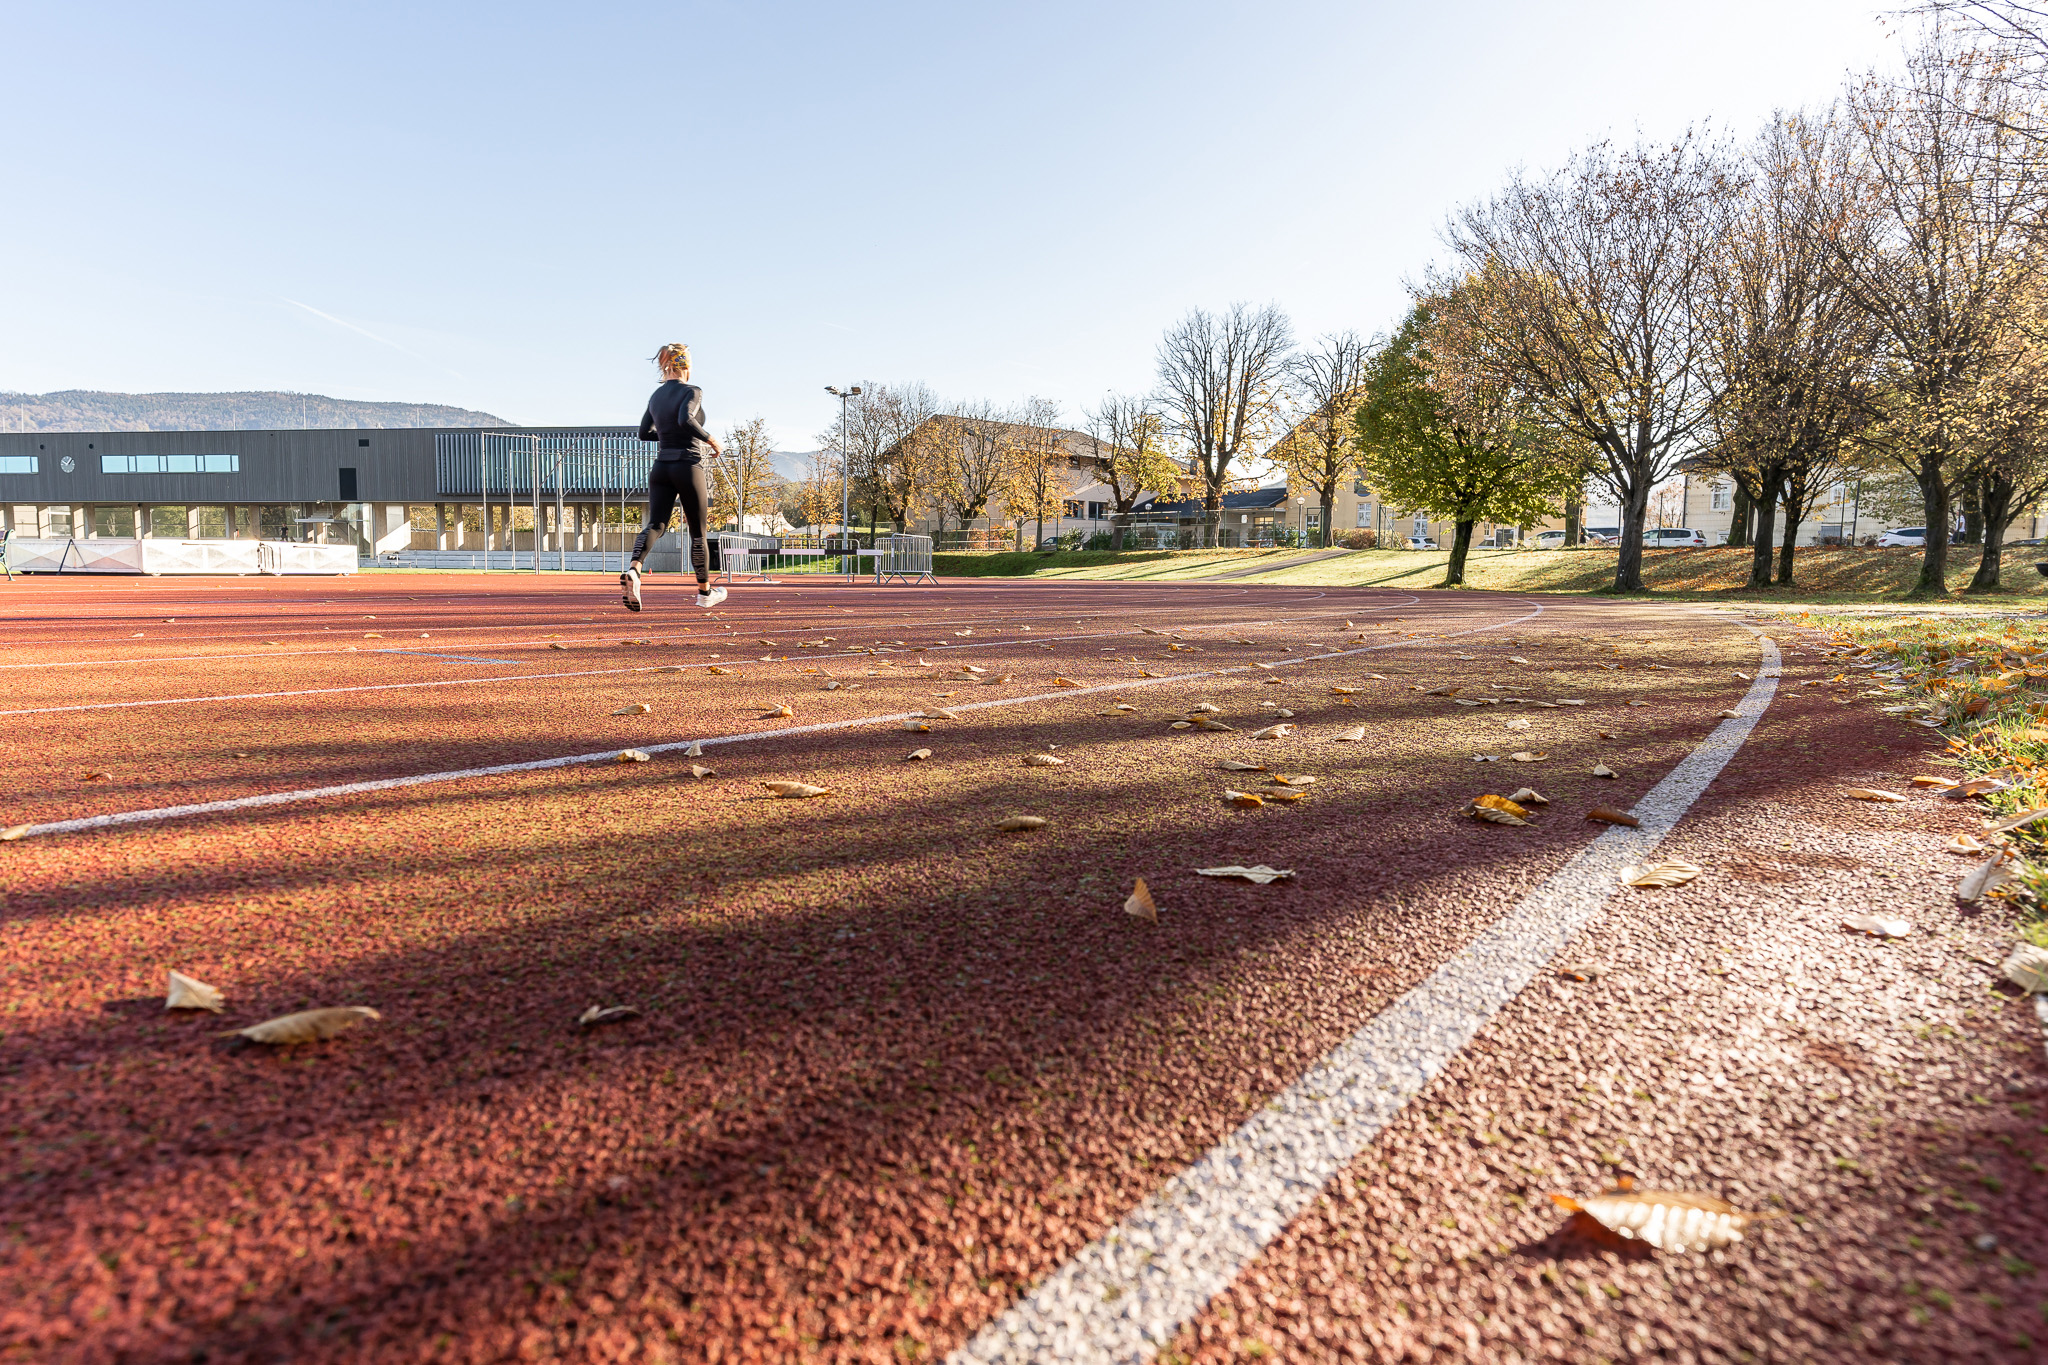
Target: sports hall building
[435, 496]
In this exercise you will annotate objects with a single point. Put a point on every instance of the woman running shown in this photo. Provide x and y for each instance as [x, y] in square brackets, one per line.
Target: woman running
[675, 418]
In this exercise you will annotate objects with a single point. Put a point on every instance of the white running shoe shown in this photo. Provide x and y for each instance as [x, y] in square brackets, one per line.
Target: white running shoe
[710, 597]
[629, 588]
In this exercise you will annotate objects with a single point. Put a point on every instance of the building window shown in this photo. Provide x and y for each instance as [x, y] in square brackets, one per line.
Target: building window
[113, 521]
[1358, 489]
[168, 522]
[1722, 497]
[1364, 516]
[19, 464]
[1070, 508]
[1421, 526]
[1315, 516]
[1098, 511]
[170, 464]
[57, 523]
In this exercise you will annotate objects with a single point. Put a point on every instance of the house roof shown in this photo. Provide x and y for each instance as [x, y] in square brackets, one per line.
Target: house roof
[1256, 500]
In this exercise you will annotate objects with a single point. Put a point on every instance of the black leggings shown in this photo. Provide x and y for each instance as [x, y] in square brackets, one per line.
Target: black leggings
[670, 482]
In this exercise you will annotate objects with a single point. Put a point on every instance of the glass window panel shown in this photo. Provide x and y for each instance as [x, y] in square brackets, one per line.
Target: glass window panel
[113, 521]
[18, 464]
[168, 522]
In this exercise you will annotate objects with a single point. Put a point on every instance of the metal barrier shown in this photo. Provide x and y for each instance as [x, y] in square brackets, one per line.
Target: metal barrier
[906, 557]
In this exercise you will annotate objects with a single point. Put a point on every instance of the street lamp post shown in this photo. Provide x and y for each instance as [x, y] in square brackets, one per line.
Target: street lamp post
[844, 396]
[1301, 518]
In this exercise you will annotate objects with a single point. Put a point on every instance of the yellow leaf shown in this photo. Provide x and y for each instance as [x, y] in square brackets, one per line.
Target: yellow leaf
[1662, 873]
[187, 993]
[700, 772]
[1019, 824]
[1355, 735]
[1043, 761]
[1283, 780]
[1602, 770]
[1243, 800]
[917, 754]
[722, 672]
[917, 727]
[632, 756]
[1528, 796]
[1871, 794]
[1141, 904]
[1665, 1219]
[307, 1026]
[781, 712]
[1524, 756]
[1273, 732]
[638, 708]
[13, 832]
[1064, 682]
[796, 791]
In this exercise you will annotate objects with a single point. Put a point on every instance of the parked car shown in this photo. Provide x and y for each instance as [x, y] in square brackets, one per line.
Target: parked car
[1664, 537]
[1601, 535]
[1421, 543]
[1914, 537]
[1549, 540]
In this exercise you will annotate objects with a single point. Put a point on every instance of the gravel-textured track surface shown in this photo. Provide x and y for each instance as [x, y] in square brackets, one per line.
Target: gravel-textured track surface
[893, 1066]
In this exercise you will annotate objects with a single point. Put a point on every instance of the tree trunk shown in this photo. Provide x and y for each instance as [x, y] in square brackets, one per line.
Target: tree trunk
[1461, 544]
[1738, 524]
[1020, 535]
[1764, 508]
[1628, 573]
[1934, 502]
[1995, 506]
[1329, 510]
[1212, 518]
[1572, 517]
[1973, 512]
[1790, 544]
[1116, 530]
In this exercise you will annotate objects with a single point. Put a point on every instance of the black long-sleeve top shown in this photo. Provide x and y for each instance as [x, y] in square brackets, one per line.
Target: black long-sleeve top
[675, 417]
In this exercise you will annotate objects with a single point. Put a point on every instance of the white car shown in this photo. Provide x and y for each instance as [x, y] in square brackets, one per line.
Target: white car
[1550, 540]
[1913, 537]
[1419, 543]
[1667, 536]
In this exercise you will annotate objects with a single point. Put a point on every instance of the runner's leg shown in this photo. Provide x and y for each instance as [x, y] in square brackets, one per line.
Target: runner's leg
[662, 490]
[691, 489]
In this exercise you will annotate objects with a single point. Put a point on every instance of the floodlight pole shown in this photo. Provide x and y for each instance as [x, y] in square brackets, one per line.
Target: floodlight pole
[844, 396]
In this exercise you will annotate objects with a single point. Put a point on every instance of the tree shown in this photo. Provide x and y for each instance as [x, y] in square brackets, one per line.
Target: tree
[817, 496]
[2011, 465]
[1326, 382]
[1220, 385]
[1432, 439]
[975, 460]
[1788, 347]
[1937, 203]
[1035, 486]
[744, 480]
[1579, 291]
[1131, 457]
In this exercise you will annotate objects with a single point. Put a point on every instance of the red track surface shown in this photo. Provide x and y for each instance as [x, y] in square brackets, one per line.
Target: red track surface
[893, 1066]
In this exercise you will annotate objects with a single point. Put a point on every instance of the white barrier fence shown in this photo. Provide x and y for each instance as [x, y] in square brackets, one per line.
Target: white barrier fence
[165, 556]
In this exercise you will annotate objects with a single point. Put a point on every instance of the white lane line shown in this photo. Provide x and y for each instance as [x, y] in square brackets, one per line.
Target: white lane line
[1128, 1294]
[489, 679]
[133, 817]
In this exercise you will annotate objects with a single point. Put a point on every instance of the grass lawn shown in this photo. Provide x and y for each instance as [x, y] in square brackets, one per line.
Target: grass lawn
[1717, 573]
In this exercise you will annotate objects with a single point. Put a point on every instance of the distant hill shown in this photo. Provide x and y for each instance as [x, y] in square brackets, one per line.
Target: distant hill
[91, 410]
[792, 464]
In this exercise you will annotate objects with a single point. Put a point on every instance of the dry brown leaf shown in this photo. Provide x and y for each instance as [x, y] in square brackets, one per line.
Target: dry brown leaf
[1578, 971]
[1878, 926]
[1518, 723]
[1283, 780]
[1986, 877]
[696, 749]
[995, 681]
[1182, 725]
[1957, 843]
[1664, 872]
[1668, 1220]
[1141, 904]
[940, 713]
[307, 1026]
[1273, 732]
[1871, 794]
[700, 772]
[1937, 783]
[97, 775]
[796, 791]
[1500, 803]
[916, 726]
[1232, 765]
[1608, 815]
[632, 756]
[554, 647]
[1149, 631]
[722, 672]
[1064, 682]
[1528, 796]
[1205, 708]
[638, 708]
[1729, 715]
[13, 832]
[1344, 691]
[2013, 822]
[915, 754]
[1019, 824]
[1213, 724]
[1524, 756]
[2027, 968]
[1285, 796]
[1602, 770]
[605, 1014]
[1044, 761]
[781, 712]
[1355, 735]
[1243, 800]
[188, 993]
[1148, 673]
[1259, 873]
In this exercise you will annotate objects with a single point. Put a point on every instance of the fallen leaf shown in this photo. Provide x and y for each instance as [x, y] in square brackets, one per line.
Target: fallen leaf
[13, 832]
[1232, 765]
[796, 791]
[1344, 691]
[1355, 735]
[1044, 761]
[2013, 822]
[187, 993]
[1578, 971]
[1729, 715]
[700, 772]
[915, 754]
[1608, 815]
[605, 1014]
[722, 672]
[98, 775]
[307, 1026]
[1528, 796]
[1743, 676]
[992, 682]
[1182, 725]
[558, 646]
[1871, 794]
[1141, 904]
[1662, 873]
[1957, 843]
[638, 708]
[916, 726]
[1280, 711]
[1496, 810]
[1486, 758]
[696, 749]
[834, 685]
[1213, 724]
[1259, 873]
[1243, 800]
[781, 712]
[1273, 732]
[1602, 770]
[1987, 876]
[1524, 756]
[1518, 723]
[2027, 968]
[1283, 780]
[1666, 1219]
[1018, 824]
[1878, 926]
[1937, 783]
[1064, 682]
[1149, 631]
[631, 756]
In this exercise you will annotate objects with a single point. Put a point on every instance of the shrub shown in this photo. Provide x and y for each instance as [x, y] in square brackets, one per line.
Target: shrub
[1363, 539]
[1099, 541]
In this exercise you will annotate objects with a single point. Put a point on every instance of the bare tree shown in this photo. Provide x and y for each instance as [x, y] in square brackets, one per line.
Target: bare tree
[744, 481]
[1220, 382]
[1326, 382]
[1131, 457]
[1581, 293]
[1932, 234]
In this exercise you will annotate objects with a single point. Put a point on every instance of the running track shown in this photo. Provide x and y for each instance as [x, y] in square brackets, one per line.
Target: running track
[901, 1083]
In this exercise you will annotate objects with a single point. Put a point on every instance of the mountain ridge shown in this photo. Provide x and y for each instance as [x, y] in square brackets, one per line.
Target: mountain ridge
[246, 410]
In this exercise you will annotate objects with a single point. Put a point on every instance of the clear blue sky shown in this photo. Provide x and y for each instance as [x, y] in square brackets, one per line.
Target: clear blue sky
[509, 206]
